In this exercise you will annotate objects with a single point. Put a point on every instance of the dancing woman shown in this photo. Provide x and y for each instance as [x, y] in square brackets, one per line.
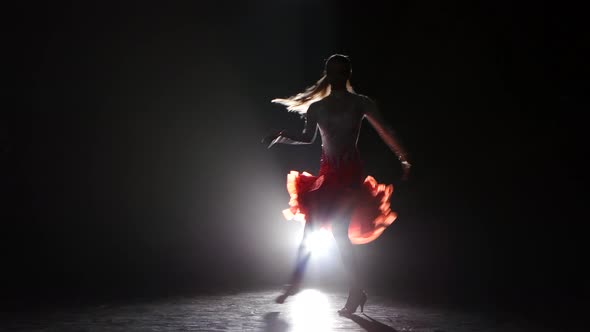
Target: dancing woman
[354, 208]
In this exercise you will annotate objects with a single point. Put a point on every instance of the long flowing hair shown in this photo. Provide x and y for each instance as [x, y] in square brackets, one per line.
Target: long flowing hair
[321, 89]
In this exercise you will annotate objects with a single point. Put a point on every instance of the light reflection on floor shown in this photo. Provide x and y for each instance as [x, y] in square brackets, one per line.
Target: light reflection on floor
[310, 311]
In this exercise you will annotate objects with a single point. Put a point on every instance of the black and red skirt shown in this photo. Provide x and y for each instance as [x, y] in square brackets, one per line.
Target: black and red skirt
[340, 191]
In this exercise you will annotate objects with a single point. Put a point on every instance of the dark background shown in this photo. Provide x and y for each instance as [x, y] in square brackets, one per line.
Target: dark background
[132, 164]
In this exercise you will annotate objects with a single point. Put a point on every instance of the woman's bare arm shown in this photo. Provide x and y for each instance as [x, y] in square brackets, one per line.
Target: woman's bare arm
[386, 133]
[306, 137]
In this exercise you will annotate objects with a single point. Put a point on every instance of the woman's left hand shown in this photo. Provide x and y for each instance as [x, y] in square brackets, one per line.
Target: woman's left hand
[406, 169]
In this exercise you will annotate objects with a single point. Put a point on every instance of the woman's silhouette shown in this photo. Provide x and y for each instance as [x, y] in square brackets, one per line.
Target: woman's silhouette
[356, 209]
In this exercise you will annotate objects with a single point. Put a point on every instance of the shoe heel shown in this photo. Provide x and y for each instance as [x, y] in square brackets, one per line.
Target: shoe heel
[363, 301]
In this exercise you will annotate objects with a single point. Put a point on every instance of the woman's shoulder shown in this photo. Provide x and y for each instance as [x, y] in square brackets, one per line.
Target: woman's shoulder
[365, 102]
[314, 106]
[363, 98]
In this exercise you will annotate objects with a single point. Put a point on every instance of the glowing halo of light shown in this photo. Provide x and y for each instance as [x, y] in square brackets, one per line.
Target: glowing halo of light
[318, 242]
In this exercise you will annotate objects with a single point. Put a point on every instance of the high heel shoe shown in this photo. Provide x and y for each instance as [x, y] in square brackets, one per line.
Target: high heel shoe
[364, 298]
[289, 290]
[354, 300]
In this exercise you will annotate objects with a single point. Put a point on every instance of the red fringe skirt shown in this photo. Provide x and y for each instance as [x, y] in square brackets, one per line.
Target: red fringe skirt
[339, 191]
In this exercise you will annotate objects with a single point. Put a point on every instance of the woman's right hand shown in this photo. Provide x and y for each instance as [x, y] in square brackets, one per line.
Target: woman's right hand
[270, 138]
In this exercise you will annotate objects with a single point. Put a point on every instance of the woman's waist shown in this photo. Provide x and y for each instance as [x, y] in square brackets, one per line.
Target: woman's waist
[345, 163]
[339, 156]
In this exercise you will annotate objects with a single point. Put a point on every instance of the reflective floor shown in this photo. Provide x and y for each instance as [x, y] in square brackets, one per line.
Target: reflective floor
[310, 310]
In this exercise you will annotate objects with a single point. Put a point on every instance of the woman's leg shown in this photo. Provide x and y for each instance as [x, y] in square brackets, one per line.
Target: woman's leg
[356, 295]
[303, 255]
[347, 252]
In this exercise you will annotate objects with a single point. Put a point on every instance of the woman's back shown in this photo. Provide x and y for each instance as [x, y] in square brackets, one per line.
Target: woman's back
[339, 117]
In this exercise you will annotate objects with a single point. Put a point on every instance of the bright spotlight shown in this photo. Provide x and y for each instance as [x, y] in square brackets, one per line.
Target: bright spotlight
[317, 242]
